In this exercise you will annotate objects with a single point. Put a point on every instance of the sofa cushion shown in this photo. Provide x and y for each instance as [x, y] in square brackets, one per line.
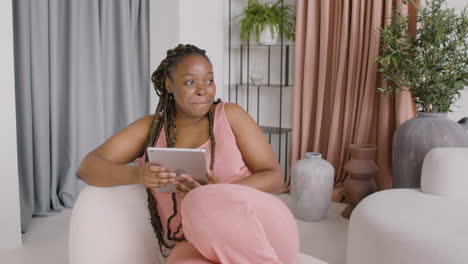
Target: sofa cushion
[445, 172]
[402, 226]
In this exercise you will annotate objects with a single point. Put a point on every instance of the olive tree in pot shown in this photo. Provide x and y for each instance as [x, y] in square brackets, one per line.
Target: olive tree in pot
[266, 21]
[433, 66]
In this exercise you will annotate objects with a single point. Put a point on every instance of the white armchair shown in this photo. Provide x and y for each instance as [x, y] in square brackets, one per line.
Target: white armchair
[427, 225]
[110, 226]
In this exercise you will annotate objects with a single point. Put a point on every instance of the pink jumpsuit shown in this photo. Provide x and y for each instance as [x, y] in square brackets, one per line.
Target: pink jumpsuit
[229, 223]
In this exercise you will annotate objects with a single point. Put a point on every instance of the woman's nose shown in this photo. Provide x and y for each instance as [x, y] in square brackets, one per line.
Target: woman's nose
[201, 88]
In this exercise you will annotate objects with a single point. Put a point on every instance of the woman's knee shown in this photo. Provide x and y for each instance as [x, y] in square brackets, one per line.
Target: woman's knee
[205, 206]
[199, 193]
[222, 191]
[219, 195]
[198, 199]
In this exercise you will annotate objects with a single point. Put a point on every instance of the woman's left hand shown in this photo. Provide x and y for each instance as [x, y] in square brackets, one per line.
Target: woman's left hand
[188, 183]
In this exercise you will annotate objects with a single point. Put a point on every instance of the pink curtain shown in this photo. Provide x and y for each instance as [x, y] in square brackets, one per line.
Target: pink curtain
[336, 79]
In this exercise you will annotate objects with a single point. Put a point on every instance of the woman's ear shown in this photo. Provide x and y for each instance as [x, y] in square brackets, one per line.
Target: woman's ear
[168, 84]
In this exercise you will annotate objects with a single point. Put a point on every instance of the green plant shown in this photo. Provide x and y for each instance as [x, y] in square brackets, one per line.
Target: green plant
[431, 64]
[256, 16]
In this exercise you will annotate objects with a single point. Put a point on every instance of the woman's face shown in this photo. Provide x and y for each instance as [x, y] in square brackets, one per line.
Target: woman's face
[192, 85]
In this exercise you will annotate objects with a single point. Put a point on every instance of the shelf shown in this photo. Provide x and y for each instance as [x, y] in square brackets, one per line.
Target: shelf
[276, 61]
[260, 45]
[275, 130]
[261, 85]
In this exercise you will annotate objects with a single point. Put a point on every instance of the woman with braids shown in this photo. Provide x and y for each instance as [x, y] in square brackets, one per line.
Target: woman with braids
[232, 219]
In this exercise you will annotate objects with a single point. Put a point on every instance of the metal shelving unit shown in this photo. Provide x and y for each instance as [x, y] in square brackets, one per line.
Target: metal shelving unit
[244, 52]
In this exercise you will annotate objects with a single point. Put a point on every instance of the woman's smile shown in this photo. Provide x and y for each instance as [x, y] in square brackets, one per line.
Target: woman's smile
[203, 101]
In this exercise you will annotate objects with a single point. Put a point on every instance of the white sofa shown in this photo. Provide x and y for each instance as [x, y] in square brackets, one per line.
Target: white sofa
[110, 226]
[427, 225]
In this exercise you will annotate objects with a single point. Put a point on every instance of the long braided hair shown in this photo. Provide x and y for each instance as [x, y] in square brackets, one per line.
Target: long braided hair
[164, 117]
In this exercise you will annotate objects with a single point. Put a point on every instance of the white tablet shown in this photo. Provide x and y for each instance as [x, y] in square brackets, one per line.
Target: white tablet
[180, 161]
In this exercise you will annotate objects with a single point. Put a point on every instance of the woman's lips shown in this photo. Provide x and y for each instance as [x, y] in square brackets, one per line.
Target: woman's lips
[201, 103]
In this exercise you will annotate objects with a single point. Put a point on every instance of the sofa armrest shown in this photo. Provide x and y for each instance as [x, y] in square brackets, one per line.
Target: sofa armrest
[110, 225]
[445, 172]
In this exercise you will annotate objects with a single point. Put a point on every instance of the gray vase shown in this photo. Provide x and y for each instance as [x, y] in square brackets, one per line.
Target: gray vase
[415, 138]
[312, 187]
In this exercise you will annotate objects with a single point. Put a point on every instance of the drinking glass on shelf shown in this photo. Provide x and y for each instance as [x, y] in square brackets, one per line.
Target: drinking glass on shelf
[256, 75]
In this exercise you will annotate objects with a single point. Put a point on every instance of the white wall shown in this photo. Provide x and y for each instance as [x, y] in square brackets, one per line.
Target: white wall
[164, 34]
[188, 22]
[201, 24]
[10, 232]
[460, 109]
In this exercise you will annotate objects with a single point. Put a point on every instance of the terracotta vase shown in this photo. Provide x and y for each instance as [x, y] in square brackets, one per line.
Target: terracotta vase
[361, 170]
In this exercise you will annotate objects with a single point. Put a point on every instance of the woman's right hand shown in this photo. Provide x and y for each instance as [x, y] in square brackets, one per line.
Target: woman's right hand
[154, 176]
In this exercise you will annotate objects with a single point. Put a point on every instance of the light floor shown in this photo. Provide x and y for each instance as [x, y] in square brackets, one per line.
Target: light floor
[325, 240]
[47, 239]
[45, 242]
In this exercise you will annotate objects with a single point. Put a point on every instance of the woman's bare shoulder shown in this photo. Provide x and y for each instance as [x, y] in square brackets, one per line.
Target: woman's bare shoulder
[127, 144]
[235, 112]
[144, 122]
[138, 128]
[239, 120]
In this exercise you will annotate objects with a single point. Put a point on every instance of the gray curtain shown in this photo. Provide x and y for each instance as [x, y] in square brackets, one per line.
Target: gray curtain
[82, 73]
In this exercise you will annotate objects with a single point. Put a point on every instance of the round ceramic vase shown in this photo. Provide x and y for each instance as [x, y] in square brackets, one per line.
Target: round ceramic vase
[311, 187]
[415, 138]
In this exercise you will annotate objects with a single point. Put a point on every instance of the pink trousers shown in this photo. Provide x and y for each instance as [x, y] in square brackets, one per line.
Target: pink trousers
[235, 224]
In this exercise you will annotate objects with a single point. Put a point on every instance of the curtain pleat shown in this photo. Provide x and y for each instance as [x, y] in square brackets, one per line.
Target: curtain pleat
[335, 97]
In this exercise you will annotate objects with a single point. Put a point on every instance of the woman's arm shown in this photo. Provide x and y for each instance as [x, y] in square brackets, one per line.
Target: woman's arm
[267, 174]
[105, 166]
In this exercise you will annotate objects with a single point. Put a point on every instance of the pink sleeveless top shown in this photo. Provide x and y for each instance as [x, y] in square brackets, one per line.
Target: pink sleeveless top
[229, 166]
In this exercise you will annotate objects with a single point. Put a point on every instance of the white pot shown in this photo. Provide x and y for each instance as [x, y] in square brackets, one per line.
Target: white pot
[266, 38]
[312, 187]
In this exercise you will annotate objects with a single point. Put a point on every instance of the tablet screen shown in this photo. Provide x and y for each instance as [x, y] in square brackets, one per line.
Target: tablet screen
[180, 161]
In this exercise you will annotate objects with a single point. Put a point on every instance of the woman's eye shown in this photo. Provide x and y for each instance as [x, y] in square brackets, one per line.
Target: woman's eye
[189, 82]
[210, 81]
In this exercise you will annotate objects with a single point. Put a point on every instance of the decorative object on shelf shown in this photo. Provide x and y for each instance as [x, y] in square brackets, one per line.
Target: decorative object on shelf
[432, 65]
[264, 20]
[312, 187]
[256, 76]
[269, 35]
[361, 170]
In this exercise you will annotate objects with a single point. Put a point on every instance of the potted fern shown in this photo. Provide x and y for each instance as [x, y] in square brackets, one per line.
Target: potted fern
[433, 66]
[265, 19]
